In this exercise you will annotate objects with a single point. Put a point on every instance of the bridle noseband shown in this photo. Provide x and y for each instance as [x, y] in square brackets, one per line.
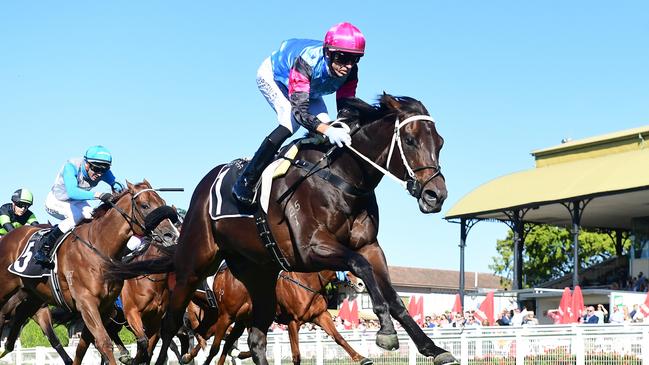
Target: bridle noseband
[409, 182]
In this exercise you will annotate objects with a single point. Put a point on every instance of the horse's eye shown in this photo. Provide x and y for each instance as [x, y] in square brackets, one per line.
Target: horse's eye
[145, 206]
[410, 141]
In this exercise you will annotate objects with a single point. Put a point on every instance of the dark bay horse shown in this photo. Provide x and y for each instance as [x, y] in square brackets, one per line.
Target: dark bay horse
[319, 224]
[82, 260]
[300, 299]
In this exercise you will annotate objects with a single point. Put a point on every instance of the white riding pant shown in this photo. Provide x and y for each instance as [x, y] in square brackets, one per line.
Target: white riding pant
[70, 212]
[282, 106]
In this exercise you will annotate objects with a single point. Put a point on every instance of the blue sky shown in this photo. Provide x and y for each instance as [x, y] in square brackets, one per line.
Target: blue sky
[169, 88]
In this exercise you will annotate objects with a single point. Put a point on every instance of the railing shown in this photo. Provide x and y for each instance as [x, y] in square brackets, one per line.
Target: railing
[547, 345]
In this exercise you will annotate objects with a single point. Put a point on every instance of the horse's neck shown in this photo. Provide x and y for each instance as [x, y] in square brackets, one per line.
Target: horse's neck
[373, 142]
[110, 233]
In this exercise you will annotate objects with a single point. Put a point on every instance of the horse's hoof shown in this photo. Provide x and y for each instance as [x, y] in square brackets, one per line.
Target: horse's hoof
[387, 342]
[126, 359]
[445, 358]
[186, 358]
[366, 361]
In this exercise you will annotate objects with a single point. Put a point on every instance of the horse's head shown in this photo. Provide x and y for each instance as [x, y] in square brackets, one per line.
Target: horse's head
[147, 213]
[355, 282]
[414, 151]
[399, 134]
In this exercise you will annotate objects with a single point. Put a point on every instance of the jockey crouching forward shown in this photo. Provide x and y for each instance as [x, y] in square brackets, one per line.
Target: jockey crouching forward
[68, 199]
[17, 213]
[293, 80]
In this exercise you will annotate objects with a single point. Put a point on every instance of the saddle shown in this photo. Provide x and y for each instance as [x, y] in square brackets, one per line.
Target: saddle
[224, 205]
[26, 267]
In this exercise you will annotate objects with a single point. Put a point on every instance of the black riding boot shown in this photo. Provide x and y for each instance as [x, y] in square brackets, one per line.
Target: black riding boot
[244, 188]
[42, 257]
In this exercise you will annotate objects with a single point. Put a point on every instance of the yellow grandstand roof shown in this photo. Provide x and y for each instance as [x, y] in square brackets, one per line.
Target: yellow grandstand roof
[617, 182]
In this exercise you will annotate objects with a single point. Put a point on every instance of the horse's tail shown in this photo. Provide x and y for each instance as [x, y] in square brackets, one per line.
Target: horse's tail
[118, 271]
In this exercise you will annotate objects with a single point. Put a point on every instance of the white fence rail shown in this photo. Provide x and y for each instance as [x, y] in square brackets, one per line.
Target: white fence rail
[545, 345]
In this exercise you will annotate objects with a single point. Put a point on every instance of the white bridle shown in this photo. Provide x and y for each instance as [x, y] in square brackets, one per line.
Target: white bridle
[396, 139]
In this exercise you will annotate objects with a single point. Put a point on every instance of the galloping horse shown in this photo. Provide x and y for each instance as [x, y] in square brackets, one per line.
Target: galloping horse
[300, 299]
[326, 221]
[144, 301]
[82, 260]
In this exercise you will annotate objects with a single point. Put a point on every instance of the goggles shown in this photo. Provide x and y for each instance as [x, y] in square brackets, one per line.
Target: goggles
[343, 58]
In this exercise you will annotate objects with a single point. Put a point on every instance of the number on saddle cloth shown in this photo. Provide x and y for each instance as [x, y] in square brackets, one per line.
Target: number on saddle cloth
[25, 266]
[222, 203]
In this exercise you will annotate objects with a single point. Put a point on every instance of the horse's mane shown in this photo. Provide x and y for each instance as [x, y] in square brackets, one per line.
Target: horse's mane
[357, 109]
[102, 209]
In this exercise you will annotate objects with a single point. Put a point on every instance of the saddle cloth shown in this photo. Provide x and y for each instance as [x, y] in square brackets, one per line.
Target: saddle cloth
[25, 266]
[224, 205]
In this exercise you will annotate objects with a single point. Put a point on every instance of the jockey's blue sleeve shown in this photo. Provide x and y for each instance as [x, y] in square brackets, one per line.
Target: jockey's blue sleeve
[71, 187]
[109, 178]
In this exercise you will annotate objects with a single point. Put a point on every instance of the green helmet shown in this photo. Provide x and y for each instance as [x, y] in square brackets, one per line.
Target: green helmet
[22, 195]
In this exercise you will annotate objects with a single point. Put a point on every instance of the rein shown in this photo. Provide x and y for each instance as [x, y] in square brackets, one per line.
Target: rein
[305, 287]
[411, 184]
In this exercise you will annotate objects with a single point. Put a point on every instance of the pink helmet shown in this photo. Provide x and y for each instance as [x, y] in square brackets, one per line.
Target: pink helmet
[345, 37]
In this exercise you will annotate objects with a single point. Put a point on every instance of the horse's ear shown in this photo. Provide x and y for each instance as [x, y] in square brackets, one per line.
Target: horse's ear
[390, 102]
[129, 185]
[146, 182]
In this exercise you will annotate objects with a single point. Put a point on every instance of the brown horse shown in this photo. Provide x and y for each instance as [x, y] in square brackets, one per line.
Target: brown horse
[144, 301]
[42, 317]
[326, 221]
[300, 299]
[82, 259]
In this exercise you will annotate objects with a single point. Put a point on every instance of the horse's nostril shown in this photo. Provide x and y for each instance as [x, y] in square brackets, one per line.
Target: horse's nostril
[429, 195]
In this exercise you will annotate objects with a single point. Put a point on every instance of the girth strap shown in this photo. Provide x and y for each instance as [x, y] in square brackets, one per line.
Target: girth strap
[266, 236]
[327, 175]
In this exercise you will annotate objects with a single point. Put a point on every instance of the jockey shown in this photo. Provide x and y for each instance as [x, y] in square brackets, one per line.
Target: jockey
[293, 80]
[68, 199]
[17, 213]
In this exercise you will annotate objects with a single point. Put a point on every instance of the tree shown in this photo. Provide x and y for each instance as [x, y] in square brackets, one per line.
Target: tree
[548, 253]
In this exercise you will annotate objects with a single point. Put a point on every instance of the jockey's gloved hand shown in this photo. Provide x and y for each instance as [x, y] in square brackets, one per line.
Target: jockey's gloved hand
[117, 187]
[338, 136]
[104, 197]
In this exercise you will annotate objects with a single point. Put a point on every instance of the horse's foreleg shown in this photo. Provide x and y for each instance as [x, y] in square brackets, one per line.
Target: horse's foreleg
[264, 303]
[44, 320]
[178, 300]
[24, 310]
[85, 340]
[324, 320]
[230, 340]
[113, 326]
[135, 322]
[220, 327]
[425, 345]
[333, 256]
[294, 337]
[89, 308]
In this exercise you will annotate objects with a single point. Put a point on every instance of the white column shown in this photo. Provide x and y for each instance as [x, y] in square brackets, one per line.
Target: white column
[412, 352]
[521, 347]
[277, 350]
[464, 349]
[319, 347]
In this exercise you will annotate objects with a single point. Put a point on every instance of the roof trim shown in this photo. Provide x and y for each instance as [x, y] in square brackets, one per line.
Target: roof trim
[579, 179]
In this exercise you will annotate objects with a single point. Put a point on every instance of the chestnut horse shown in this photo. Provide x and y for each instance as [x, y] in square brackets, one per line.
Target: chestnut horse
[82, 260]
[326, 221]
[144, 301]
[300, 299]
